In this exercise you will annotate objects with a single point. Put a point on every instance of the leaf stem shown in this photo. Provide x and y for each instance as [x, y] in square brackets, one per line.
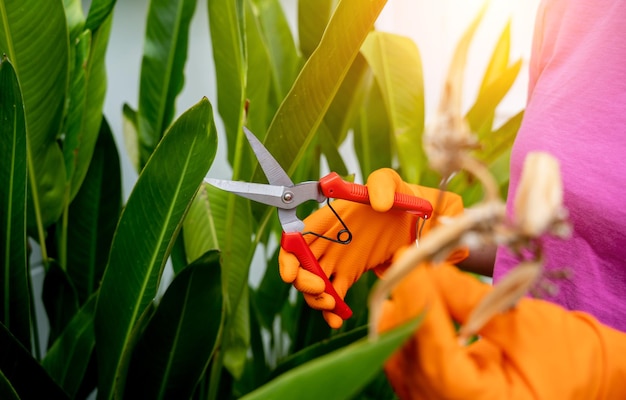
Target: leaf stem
[36, 207]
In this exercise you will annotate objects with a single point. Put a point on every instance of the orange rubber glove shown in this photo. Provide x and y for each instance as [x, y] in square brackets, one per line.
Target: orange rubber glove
[537, 350]
[378, 233]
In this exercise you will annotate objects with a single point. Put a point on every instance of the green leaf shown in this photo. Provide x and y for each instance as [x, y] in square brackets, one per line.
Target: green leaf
[261, 102]
[318, 349]
[499, 59]
[7, 391]
[165, 53]
[59, 298]
[280, 44]
[68, 358]
[221, 220]
[145, 233]
[85, 104]
[481, 114]
[348, 101]
[75, 18]
[14, 292]
[337, 375]
[454, 77]
[300, 114]
[34, 36]
[397, 66]
[313, 16]
[98, 12]
[373, 140]
[226, 25]
[22, 370]
[185, 329]
[93, 216]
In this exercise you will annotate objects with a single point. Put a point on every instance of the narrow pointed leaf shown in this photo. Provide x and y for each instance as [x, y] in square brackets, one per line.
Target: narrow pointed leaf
[261, 101]
[20, 369]
[348, 101]
[454, 77]
[280, 43]
[481, 114]
[164, 57]
[34, 36]
[499, 59]
[14, 292]
[326, 377]
[75, 18]
[146, 232]
[299, 115]
[373, 140]
[93, 216]
[98, 12]
[86, 102]
[225, 21]
[397, 66]
[68, 358]
[185, 329]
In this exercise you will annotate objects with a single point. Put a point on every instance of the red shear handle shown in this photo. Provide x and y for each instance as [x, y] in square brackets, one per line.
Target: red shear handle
[336, 188]
[294, 243]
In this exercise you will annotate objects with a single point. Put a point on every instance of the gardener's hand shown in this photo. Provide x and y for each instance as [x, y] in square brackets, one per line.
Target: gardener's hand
[377, 233]
[537, 350]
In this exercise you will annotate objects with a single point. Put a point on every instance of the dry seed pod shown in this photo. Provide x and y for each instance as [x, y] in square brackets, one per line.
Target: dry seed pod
[539, 200]
[438, 244]
[448, 138]
[504, 296]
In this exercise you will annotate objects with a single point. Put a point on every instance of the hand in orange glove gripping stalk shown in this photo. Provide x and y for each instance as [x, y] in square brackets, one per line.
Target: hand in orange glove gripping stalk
[378, 232]
[537, 350]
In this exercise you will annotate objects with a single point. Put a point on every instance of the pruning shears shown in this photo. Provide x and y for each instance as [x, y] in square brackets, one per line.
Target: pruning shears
[283, 194]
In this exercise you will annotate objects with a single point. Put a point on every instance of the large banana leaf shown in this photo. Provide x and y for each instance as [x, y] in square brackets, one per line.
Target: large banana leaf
[397, 66]
[185, 329]
[34, 36]
[14, 293]
[146, 232]
[300, 114]
[86, 100]
[337, 375]
[165, 53]
[67, 359]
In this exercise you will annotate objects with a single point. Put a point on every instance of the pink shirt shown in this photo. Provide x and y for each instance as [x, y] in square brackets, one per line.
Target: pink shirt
[577, 111]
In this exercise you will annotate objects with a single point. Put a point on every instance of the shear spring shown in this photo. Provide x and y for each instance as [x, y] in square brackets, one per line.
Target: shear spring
[343, 232]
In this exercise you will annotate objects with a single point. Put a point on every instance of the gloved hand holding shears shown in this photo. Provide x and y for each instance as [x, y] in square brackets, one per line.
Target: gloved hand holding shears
[283, 194]
[379, 231]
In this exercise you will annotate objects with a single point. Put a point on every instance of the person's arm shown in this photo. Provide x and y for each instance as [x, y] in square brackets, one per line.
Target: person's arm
[480, 261]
